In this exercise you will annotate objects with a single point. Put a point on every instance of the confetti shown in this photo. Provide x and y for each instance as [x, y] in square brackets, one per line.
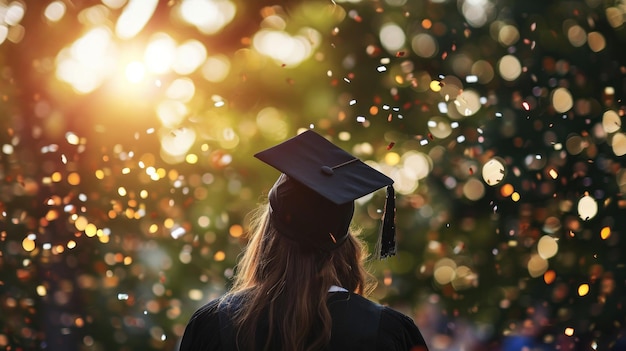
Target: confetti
[118, 177]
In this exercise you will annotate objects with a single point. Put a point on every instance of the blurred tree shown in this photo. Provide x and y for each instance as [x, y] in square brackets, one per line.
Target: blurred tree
[125, 188]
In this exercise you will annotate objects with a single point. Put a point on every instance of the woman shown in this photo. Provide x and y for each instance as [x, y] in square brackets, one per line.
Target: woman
[299, 283]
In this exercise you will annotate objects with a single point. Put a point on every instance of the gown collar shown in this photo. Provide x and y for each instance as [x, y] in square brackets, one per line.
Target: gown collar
[335, 288]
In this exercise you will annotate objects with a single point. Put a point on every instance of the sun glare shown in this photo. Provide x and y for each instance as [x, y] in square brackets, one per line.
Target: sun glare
[135, 72]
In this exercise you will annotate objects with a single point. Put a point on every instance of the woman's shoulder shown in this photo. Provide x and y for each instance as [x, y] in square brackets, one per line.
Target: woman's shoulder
[200, 330]
[395, 317]
[398, 331]
[224, 303]
[206, 313]
[359, 318]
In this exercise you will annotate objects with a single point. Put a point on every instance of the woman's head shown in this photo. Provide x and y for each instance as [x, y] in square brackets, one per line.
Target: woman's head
[272, 258]
[313, 199]
[303, 215]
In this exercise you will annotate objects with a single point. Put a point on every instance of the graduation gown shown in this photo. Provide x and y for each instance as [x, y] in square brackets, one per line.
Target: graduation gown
[357, 324]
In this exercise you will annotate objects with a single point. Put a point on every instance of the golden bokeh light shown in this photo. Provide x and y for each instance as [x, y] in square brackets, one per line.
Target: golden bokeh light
[14, 13]
[195, 294]
[615, 16]
[4, 33]
[56, 177]
[272, 123]
[192, 159]
[451, 87]
[611, 121]
[575, 144]
[509, 67]
[619, 144]
[476, 13]
[596, 41]
[176, 144]
[587, 207]
[507, 190]
[508, 35]
[562, 100]
[417, 164]
[285, 48]
[444, 271]
[91, 230]
[81, 223]
[160, 53]
[392, 158]
[493, 171]
[435, 86]
[515, 196]
[425, 45]
[189, 56]
[181, 89]
[73, 178]
[28, 244]
[41, 290]
[216, 68]
[537, 266]
[474, 189]
[55, 11]
[134, 17]
[219, 256]
[547, 247]
[576, 34]
[483, 70]
[467, 103]
[236, 231]
[439, 127]
[88, 61]
[392, 37]
[549, 276]
[605, 233]
[207, 16]
[121, 191]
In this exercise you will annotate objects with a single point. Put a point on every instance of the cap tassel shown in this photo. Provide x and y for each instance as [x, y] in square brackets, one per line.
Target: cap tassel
[387, 235]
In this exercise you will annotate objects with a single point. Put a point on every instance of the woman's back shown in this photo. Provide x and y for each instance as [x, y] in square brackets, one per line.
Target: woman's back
[357, 324]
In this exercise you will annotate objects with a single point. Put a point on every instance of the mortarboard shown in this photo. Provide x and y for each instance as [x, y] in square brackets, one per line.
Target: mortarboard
[312, 202]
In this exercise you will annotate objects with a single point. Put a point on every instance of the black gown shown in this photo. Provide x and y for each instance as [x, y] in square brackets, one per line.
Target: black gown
[357, 324]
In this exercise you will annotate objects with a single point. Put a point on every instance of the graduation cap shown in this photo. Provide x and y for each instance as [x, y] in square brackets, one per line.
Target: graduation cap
[312, 202]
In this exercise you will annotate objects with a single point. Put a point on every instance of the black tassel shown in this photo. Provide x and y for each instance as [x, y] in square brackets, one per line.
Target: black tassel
[387, 236]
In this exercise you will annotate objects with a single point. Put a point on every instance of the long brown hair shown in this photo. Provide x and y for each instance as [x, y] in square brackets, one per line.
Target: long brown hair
[289, 283]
